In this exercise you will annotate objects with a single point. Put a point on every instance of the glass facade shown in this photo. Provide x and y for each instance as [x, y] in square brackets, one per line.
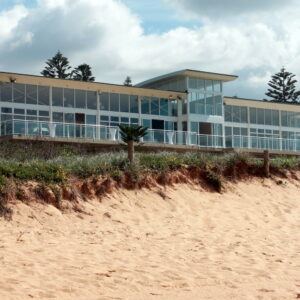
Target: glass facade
[205, 97]
[199, 118]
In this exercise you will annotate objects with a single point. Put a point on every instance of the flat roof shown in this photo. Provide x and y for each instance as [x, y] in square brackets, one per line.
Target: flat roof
[190, 73]
[262, 104]
[92, 86]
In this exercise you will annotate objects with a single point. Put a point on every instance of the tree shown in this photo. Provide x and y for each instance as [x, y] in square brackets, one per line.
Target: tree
[57, 67]
[83, 73]
[130, 135]
[283, 88]
[128, 81]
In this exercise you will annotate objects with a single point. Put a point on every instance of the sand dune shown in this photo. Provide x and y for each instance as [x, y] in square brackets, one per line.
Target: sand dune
[243, 244]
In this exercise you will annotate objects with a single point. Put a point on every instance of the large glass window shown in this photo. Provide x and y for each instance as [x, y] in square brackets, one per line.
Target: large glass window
[43, 95]
[253, 119]
[164, 107]
[209, 86]
[57, 117]
[145, 105]
[114, 102]
[19, 92]
[31, 94]
[57, 96]
[154, 106]
[134, 104]
[217, 86]
[6, 92]
[80, 99]
[218, 105]
[104, 101]
[91, 100]
[124, 103]
[69, 98]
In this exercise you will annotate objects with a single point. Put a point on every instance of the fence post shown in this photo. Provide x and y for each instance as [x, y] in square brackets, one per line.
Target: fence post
[267, 163]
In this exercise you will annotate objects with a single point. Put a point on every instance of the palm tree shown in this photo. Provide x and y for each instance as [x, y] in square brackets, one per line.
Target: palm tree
[130, 135]
[83, 73]
[57, 67]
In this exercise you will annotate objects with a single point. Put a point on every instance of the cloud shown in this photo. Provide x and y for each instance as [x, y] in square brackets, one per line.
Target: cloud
[110, 37]
[221, 8]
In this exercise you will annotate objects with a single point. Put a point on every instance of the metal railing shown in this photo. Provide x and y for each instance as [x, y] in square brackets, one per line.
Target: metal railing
[267, 143]
[154, 136]
[100, 132]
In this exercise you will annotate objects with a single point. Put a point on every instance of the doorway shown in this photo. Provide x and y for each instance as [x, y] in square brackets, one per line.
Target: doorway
[80, 128]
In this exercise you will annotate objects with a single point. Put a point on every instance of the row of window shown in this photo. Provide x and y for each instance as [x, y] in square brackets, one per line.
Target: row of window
[208, 86]
[205, 105]
[239, 114]
[21, 93]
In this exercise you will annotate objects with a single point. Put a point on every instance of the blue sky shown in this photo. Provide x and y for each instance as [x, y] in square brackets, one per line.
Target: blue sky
[146, 38]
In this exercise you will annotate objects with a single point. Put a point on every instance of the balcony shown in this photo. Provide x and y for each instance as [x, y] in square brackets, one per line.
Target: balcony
[95, 133]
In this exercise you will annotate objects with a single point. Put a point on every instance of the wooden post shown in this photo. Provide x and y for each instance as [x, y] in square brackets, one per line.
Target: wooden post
[267, 163]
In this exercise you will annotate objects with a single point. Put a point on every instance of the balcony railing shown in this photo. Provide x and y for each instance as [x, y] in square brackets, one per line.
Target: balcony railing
[99, 132]
[154, 136]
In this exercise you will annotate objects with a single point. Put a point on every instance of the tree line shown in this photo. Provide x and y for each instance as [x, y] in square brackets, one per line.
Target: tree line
[59, 67]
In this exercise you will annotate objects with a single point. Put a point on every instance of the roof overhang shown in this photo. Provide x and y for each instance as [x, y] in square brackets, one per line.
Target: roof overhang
[190, 73]
[92, 86]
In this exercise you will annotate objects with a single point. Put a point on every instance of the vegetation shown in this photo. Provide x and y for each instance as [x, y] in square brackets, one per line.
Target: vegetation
[282, 88]
[130, 135]
[98, 174]
[128, 81]
[83, 73]
[59, 67]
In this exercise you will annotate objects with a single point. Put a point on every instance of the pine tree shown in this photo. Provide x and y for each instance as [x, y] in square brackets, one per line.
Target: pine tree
[283, 88]
[57, 67]
[128, 81]
[83, 73]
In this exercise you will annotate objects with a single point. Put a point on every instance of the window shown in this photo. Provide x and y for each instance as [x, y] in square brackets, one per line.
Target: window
[44, 113]
[31, 94]
[154, 106]
[80, 99]
[68, 98]
[164, 107]
[253, 119]
[114, 102]
[260, 116]
[217, 86]
[124, 103]
[6, 110]
[104, 101]
[57, 97]
[91, 119]
[244, 115]
[218, 105]
[114, 121]
[19, 111]
[146, 123]
[91, 100]
[69, 118]
[134, 104]
[195, 127]
[134, 121]
[209, 86]
[58, 117]
[268, 117]
[31, 112]
[145, 105]
[228, 113]
[43, 95]
[210, 105]
[19, 92]
[6, 92]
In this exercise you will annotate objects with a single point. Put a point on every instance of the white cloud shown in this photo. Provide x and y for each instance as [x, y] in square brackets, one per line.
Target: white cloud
[110, 37]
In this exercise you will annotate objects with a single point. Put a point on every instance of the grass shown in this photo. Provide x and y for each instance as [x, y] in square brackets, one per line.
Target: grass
[53, 167]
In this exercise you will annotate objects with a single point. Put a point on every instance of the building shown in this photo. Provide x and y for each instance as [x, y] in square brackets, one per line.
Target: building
[184, 108]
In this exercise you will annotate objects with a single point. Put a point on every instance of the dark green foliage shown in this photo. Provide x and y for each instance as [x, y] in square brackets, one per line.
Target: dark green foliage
[34, 170]
[5, 211]
[57, 67]
[213, 179]
[83, 73]
[282, 87]
[128, 81]
[132, 133]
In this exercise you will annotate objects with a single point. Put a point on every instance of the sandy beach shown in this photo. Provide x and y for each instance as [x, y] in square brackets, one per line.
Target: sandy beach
[191, 244]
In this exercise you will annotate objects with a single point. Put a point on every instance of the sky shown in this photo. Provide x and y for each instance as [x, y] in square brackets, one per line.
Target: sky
[145, 38]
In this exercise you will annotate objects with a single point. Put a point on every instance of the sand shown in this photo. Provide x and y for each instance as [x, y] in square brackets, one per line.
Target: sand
[194, 244]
